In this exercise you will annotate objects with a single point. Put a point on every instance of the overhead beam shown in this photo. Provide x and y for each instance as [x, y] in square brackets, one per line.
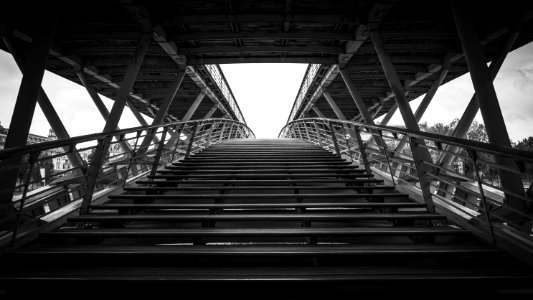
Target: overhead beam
[78, 63]
[256, 60]
[258, 35]
[262, 49]
[261, 18]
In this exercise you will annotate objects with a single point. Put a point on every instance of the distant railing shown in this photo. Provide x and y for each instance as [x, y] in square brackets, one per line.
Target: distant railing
[125, 160]
[492, 211]
[309, 77]
[222, 84]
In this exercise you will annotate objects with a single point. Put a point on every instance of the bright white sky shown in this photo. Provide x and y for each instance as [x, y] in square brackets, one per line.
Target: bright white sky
[265, 93]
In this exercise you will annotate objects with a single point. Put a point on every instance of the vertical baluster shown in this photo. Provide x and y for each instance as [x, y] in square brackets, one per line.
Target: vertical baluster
[334, 139]
[473, 156]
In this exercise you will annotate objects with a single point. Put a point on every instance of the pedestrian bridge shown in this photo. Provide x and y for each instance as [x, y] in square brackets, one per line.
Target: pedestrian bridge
[337, 206]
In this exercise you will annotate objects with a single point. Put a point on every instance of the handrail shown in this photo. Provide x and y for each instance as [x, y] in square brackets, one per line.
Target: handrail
[474, 145]
[472, 190]
[35, 195]
[5, 153]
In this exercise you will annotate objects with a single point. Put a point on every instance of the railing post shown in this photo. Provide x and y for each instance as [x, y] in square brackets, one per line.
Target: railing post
[191, 141]
[209, 134]
[92, 173]
[307, 131]
[422, 177]
[222, 132]
[362, 150]
[157, 156]
[334, 138]
[473, 156]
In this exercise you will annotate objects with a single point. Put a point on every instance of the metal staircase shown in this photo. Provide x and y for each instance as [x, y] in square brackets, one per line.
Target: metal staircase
[256, 216]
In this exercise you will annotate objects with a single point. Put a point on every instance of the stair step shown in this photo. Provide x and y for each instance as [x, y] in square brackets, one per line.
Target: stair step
[260, 168]
[256, 205]
[266, 182]
[254, 163]
[235, 217]
[257, 250]
[261, 175]
[251, 187]
[265, 171]
[261, 196]
[264, 232]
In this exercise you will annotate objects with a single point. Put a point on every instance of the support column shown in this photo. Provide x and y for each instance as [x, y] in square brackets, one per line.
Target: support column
[19, 127]
[114, 117]
[488, 101]
[333, 105]
[194, 106]
[49, 112]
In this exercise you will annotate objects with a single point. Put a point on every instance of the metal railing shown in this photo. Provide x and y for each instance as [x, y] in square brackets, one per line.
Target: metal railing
[47, 183]
[460, 188]
[308, 80]
[220, 80]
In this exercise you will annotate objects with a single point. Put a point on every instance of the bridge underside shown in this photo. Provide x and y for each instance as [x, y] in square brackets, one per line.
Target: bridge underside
[420, 37]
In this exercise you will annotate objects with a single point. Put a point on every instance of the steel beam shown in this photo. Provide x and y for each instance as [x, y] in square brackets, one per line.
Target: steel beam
[357, 98]
[49, 112]
[20, 124]
[193, 107]
[101, 106]
[461, 129]
[317, 111]
[210, 113]
[488, 102]
[333, 105]
[163, 111]
[114, 117]
[420, 155]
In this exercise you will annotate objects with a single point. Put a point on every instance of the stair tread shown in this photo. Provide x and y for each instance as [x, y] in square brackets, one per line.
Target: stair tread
[256, 196]
[279, 181]
[252, 187]
[258, 249]
[301, 231]
[257, 205]
[253, 216]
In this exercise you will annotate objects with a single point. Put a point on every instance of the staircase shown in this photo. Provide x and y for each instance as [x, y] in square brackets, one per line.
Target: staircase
[262, 218]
